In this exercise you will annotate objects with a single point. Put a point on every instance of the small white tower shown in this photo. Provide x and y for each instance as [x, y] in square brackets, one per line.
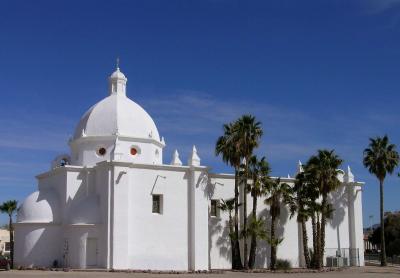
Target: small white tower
[175, 159]
[117, 82]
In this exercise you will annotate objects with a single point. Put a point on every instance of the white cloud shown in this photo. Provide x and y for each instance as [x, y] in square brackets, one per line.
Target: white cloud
[380, 6]
[35, 132]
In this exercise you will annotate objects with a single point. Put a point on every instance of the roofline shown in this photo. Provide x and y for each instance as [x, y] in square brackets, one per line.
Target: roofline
[167, 167]
[61, 169]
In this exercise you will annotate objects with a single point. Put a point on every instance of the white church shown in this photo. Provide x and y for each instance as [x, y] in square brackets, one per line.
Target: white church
[112, 203]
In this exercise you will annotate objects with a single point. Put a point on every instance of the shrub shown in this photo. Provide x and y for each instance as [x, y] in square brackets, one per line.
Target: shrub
[283, 264]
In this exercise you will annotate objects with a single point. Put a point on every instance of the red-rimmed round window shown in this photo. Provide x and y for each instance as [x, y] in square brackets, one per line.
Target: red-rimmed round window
[134, 151]
[101, 151]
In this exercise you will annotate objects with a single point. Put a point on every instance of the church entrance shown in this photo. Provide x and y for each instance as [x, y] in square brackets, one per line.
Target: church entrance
[91, 252]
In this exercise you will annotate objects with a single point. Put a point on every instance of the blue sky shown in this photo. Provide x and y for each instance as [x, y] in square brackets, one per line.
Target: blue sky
[317, 74]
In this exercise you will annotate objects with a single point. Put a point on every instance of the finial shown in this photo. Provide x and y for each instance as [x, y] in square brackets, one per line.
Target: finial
[175, 159]
[349, 175]
[194, 159]
[300, 168]
[117, 63]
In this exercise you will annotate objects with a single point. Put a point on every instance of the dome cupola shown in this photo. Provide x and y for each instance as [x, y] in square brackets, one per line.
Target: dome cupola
[116, 128]
[117, 82]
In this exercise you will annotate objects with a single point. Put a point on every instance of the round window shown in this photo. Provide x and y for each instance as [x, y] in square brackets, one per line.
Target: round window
[101, 151]
[133, 151]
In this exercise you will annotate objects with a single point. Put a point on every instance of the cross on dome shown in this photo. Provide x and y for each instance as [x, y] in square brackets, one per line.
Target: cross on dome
[117, 82]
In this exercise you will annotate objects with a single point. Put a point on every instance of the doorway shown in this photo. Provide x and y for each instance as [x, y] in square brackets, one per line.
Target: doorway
[91, 252]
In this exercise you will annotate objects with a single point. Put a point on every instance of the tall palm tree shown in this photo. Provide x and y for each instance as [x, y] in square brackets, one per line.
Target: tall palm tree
[10, 207]
[381, 158]
[259, 171]
[279, 193]
[248, 132]
[303, 197]
[310, 191]
[227, 146]
[324, 168]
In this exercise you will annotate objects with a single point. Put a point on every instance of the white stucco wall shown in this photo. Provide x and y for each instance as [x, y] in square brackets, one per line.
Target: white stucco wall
[184, 236]
[37, 244]
[157, 241]
[221, 187]
[338, 231]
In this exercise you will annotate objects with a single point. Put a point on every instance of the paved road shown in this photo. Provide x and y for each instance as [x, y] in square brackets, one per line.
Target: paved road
[361, 272]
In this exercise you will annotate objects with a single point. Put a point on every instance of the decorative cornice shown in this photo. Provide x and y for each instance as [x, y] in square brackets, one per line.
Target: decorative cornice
[119, 137]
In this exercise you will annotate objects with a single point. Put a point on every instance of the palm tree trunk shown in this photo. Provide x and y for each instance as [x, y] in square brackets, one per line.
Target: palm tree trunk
[317, 254]
[10, 227]
[245, 258]
[381, 212]
[253, 246]
[236, 260]
[273, 245]
[323, 224]
[305, 244]
[315, 239]
[231, 231]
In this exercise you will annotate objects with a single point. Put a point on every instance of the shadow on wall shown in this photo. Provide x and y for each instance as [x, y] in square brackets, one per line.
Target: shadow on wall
[263, 248]
[263, 251]
[83, 197]
[223, 242]
[41, 245]
[339, 201]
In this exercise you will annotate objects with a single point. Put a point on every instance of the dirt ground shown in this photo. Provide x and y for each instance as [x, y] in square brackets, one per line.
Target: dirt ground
[360, 272]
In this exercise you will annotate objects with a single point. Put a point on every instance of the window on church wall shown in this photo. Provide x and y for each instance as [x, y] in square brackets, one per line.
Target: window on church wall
[214, 210]
[157, 204]
[101, 151]
[7, 246]
[135, 150]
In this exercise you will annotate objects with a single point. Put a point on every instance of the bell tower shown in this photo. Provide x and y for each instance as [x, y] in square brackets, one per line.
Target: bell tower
[117, 82]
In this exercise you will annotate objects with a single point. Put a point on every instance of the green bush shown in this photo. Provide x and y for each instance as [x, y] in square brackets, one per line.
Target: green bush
[283, 264]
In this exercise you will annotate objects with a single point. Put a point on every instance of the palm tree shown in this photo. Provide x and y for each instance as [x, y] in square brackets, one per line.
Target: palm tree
[10, 207]
[278, 193]
[259, 171]
[324, 169]
[381, 158]
[227, 146]
[248, 132]
[303, 197]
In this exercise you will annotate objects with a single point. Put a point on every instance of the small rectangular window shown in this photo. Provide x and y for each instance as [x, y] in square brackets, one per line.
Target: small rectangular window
[157, 204]
[214, 208]
[7, 246]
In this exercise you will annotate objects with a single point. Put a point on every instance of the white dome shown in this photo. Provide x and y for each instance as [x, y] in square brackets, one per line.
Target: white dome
[39, 207]
[117, 114]
[86, 212]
